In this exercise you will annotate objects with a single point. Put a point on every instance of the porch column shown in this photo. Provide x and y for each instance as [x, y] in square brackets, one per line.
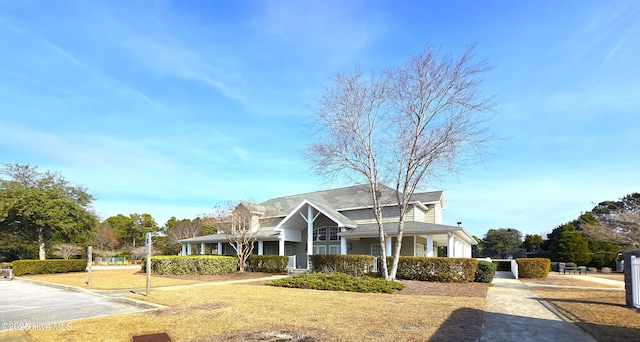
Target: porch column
[202, 248]
[451, 245]
[281, 246]
[429, 245]
[260, 247]
[309, 220]
[219, 248]
[343, 246]
[387, 241]
[188, 249]
[184, 249]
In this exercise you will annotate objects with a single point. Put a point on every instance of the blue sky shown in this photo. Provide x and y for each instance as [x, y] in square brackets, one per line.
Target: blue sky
[169, 107]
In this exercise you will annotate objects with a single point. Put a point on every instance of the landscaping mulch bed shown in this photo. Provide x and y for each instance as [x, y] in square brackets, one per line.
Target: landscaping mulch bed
[426, 288]
[222, 277]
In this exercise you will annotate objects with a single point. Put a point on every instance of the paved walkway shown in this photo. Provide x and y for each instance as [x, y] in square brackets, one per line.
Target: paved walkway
[514, 313]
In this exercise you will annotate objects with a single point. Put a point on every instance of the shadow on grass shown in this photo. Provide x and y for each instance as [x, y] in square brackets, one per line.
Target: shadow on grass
[601, 332]
[463, 324]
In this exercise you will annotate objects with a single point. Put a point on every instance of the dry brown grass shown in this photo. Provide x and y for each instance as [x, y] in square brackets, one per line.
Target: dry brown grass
[565, 280]
[109, 279]
[612, 276]
[601, 313]
[223, 312]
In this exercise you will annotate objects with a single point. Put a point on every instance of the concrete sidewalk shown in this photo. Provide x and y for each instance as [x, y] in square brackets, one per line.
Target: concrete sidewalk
[514, 313]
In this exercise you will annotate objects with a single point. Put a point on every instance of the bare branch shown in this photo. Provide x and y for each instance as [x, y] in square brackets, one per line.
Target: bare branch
[412, 124]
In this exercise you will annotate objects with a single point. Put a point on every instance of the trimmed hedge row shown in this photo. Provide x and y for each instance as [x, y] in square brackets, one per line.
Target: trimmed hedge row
[192, 264]
[533, 267]
[338, 282]
[485, 272]
[436, 269]
[22, 267]
[267, 263]
[353, 265]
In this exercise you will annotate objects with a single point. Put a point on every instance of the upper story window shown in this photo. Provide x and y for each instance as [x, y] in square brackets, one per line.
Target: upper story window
[320, 234]
[333, 233]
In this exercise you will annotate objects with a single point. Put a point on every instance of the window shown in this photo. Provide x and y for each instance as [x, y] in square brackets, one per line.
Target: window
[375, 249]
[420, 251]
[334, 249]
[319, 250]
[333, 233]
[320, 234]
[268, 250]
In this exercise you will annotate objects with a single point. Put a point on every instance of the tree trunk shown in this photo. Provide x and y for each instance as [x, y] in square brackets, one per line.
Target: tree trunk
[396, 254]
[41, 249]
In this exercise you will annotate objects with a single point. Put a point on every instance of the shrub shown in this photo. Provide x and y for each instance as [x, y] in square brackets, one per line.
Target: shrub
[571, 264]
[267, 263]
[22, 267]
[338, 282]
[354, 265]
[436, 269]
[485, 272]
[192, 264]
[533, 267]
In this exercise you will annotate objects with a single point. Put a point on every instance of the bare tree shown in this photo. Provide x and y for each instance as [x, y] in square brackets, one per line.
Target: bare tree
[186, 229]
[240, 225]
[405, 127]
[104, 237]
[106, 253]
[66, 250]
[616, 222]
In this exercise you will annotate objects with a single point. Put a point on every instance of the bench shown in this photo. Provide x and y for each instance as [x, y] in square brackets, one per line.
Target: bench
[6, 273]
[574, 270]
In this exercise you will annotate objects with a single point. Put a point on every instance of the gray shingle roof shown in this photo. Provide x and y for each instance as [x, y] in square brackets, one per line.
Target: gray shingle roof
[264, 234]
[349, 197]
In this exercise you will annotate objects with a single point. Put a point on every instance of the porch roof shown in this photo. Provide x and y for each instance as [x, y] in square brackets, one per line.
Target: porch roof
[410, 228]
[263, 235]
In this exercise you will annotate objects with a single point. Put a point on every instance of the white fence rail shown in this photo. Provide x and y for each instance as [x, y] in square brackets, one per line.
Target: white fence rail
[635, 281]
[292, 262]
[514, 268]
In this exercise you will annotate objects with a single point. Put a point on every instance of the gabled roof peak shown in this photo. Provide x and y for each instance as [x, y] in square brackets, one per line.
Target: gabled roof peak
[356, 196]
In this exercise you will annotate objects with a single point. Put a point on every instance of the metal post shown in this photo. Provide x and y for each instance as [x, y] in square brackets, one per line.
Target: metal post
[148, 238]
[89, 262]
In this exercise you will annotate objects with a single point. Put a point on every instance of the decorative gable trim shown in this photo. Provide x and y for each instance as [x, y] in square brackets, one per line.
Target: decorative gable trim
[332, 214]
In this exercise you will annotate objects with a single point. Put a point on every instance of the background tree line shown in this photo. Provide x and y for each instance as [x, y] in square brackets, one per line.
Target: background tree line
[43, 215]
[593, 239]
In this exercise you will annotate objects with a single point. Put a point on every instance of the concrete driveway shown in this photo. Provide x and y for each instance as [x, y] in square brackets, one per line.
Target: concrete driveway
[30, 306]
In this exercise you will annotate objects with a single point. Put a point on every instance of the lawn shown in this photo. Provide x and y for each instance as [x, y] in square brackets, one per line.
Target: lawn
[223, 312]
[109, 279]
[601, 313]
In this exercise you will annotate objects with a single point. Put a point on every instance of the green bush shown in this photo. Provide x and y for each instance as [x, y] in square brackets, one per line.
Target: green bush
[192, 264]
[436, 269]
[485, 272]
[354, 265]
[571, 264]
[267, 263]
[338, 282]
[533, 267]
[22, 267]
